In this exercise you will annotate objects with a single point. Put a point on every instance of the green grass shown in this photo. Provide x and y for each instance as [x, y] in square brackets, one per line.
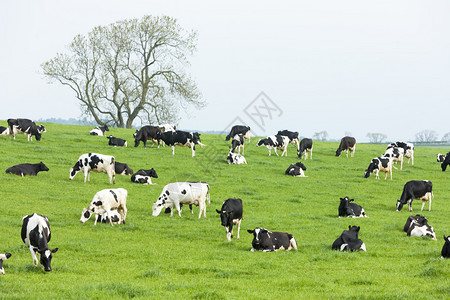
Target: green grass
[187, 257]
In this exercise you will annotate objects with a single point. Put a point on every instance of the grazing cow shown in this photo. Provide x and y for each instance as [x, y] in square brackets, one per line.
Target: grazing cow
[99, 130]
[115, 216]
[421, 230]
[347, 209]
[349, 241]
[445, 252]
[147, 132]
[293, 137]
[181, 138]
[2, 258]
[231, 213]
[446, 162]
[237, 142]
[116, 142]
[416, 189]
[347, 143]
[440, 157]
[4, 130]
[27, 169]
[239, 129]
[122, 169]
[417, 219]
[306, 145]
[104, 202]
[236, 159]
[408, 149]
[94, 162]
[383, 164]
[36, 235]
[275, 142]
[296, 170]
[176, 193]
[267, 240]
[25, 126]
[144, 176]
[396, 154]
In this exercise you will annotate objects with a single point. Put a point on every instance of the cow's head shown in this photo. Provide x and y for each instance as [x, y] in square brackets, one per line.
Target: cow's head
[105, 128]
[42, 167]
[128, 170]
[137, 137]
[225, 217]
[195, 137]
[372, 166]
[354, 229]
[258, 234]
[400, 205]
[338, 151]
[344, 204]
[75, 169]
[152, 173]
[301, 165]
[86, 214]
[2, 258]
[260, 143]
[38, 136]
[46, 256]
[157, 207]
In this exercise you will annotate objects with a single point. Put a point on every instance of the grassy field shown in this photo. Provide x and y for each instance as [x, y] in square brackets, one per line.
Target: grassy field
[187, 257]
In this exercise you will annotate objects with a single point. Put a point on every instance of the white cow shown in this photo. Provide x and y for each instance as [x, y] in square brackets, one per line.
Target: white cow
[97, 163]
[104, 202]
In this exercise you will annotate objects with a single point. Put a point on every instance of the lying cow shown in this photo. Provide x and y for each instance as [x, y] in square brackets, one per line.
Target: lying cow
[348, 209]
[25, 126]
[408, 149]
[147, 132]
[396, 154]
[236, 159]
[417, 219]
[306, 145]
[176, 193]
[267, 240]
[144, 176]
[421, 230]
[114, 216]
[445, 252]
[441, 157]
[4, 130]
[104, 202]
[293, 137]
[230, 214]
[2, 258]
[116, 142]
[416, 189]
[349, 241]
[181, 138]
[122, 169]
[383, 164]
[275, 142]
[99, 130]
[27, 169]
[94, 162]
[239, 129]
[237, 143]
[347, 144]
[296, 170]
[36, 236]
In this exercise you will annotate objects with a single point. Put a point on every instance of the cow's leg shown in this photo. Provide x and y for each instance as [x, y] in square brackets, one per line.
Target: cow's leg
[310, 153]
[238, 223]
[202, 206]
[123, 213]
[173, 149]
[177, 206]
[410, 204]
[429, 202]
[284, 152]
[108, 213]
[347, 152]
[33, 255]
[86, 174]
[376, 174]
[193, 149]
[275, 150]
[96, 218]
[229, 234]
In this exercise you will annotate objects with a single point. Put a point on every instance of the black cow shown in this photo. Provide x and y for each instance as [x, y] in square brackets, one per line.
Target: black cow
[4, 130]
[440, 157]
[446, 162]
[123, 169]
[347, 143]
[383, 164]
[147, 132]
[445, 253]
[349, 241]
[231, 213]
[236, 129]
[182, 138]
[416, 189]
[267, 240]
[27, 169]
[293, 136]
[237, 142]
[2, 258]
[296, 170]
[144, 176]
[306, 145]
[418, 219]
[99, 130]
[25, 126]
[116, 142]
[348, 209]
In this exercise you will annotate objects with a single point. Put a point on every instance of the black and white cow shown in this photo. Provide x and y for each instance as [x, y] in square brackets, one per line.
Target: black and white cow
[236, 159]
[237, 143]
[147, 132]
[418, 219]
[421, 230]
[116, 142]
[27, 169]
[167, 127]
[25, 126]
[122, 169]
[94, 162]
[445, 252]
[267, 240]
[441, 157]
[99, 130]
[105, 202]
[3, 256]
[446, 162]
[293, 137]
[416, 189]
[230, 214]
[4, 130]
[275, 142]
[239, 129]
[349, 241]
[348, 143]
[383, 164]
[296, 170]
[396, 154]
[408, 149]
[144, 176]
[36, 235]
[181, 138]
[306, 145]
[114, 216]
[176, 193]
[348, 209]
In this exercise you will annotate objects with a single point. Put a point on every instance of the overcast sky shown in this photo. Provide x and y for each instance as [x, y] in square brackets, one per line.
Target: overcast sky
[346, 67]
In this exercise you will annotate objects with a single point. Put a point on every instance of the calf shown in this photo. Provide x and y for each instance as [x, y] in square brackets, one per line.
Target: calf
[237, 143]
[306, 145]
[275, 142]
[27, 169]
[94, 162]
[116, 142]
[408, 149]
[236, 159]
[421, 230]
[147, 132]
[383, 164]
[236, 129]
[99, 130]
[122, 169]
[4, 130]
[114, 216]
[2, 258]
[349, 241]
[144, 176]
[293, 136]
[348, 143]
[176, 193]
[296, 170]
[445, 252]
[348, 209]
[104, 202]
[416, 189]
[36, 235]
[231, 213]
[267, 240]
[440, 157]
[181, 138]
[25, 126]
[418, 219]
[446, 162]
[396, 154]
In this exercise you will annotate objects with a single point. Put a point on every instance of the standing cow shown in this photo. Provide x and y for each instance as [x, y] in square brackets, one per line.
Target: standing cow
[383, 164]
[268, 241]
[416, 189]
[181, 138]
[94, 162]
[104, 202]
[306, 145]
[239, 129]
[275, 142]
[348, 143]
[25, 126]
[293, 137]
[147, 132]
[408, 150]
[396, 154]
[231, 213]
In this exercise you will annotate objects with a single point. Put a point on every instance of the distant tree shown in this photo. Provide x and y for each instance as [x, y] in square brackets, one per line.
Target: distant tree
[130, 70]
[425, 136]
[446, 137]
[376, 138]
[320, 136]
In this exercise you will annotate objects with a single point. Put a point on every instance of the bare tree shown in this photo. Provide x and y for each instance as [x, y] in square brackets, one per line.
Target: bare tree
[376, 138]
[320, 136]
[130, 70]
[446, 137]
[425, 136]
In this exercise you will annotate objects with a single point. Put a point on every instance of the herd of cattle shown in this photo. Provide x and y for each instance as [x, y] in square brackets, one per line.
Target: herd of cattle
[109, 205]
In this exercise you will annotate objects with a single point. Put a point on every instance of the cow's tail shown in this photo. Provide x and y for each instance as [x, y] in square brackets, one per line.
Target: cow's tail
[293, 242]
[208, 195]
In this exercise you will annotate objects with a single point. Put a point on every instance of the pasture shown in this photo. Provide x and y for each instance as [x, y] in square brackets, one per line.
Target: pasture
[190, 258]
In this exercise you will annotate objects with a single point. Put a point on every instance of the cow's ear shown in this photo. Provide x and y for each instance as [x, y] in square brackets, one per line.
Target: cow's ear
[349, 227]
[54, 250]
[358, 228]
[250, 231]
[218, 211]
